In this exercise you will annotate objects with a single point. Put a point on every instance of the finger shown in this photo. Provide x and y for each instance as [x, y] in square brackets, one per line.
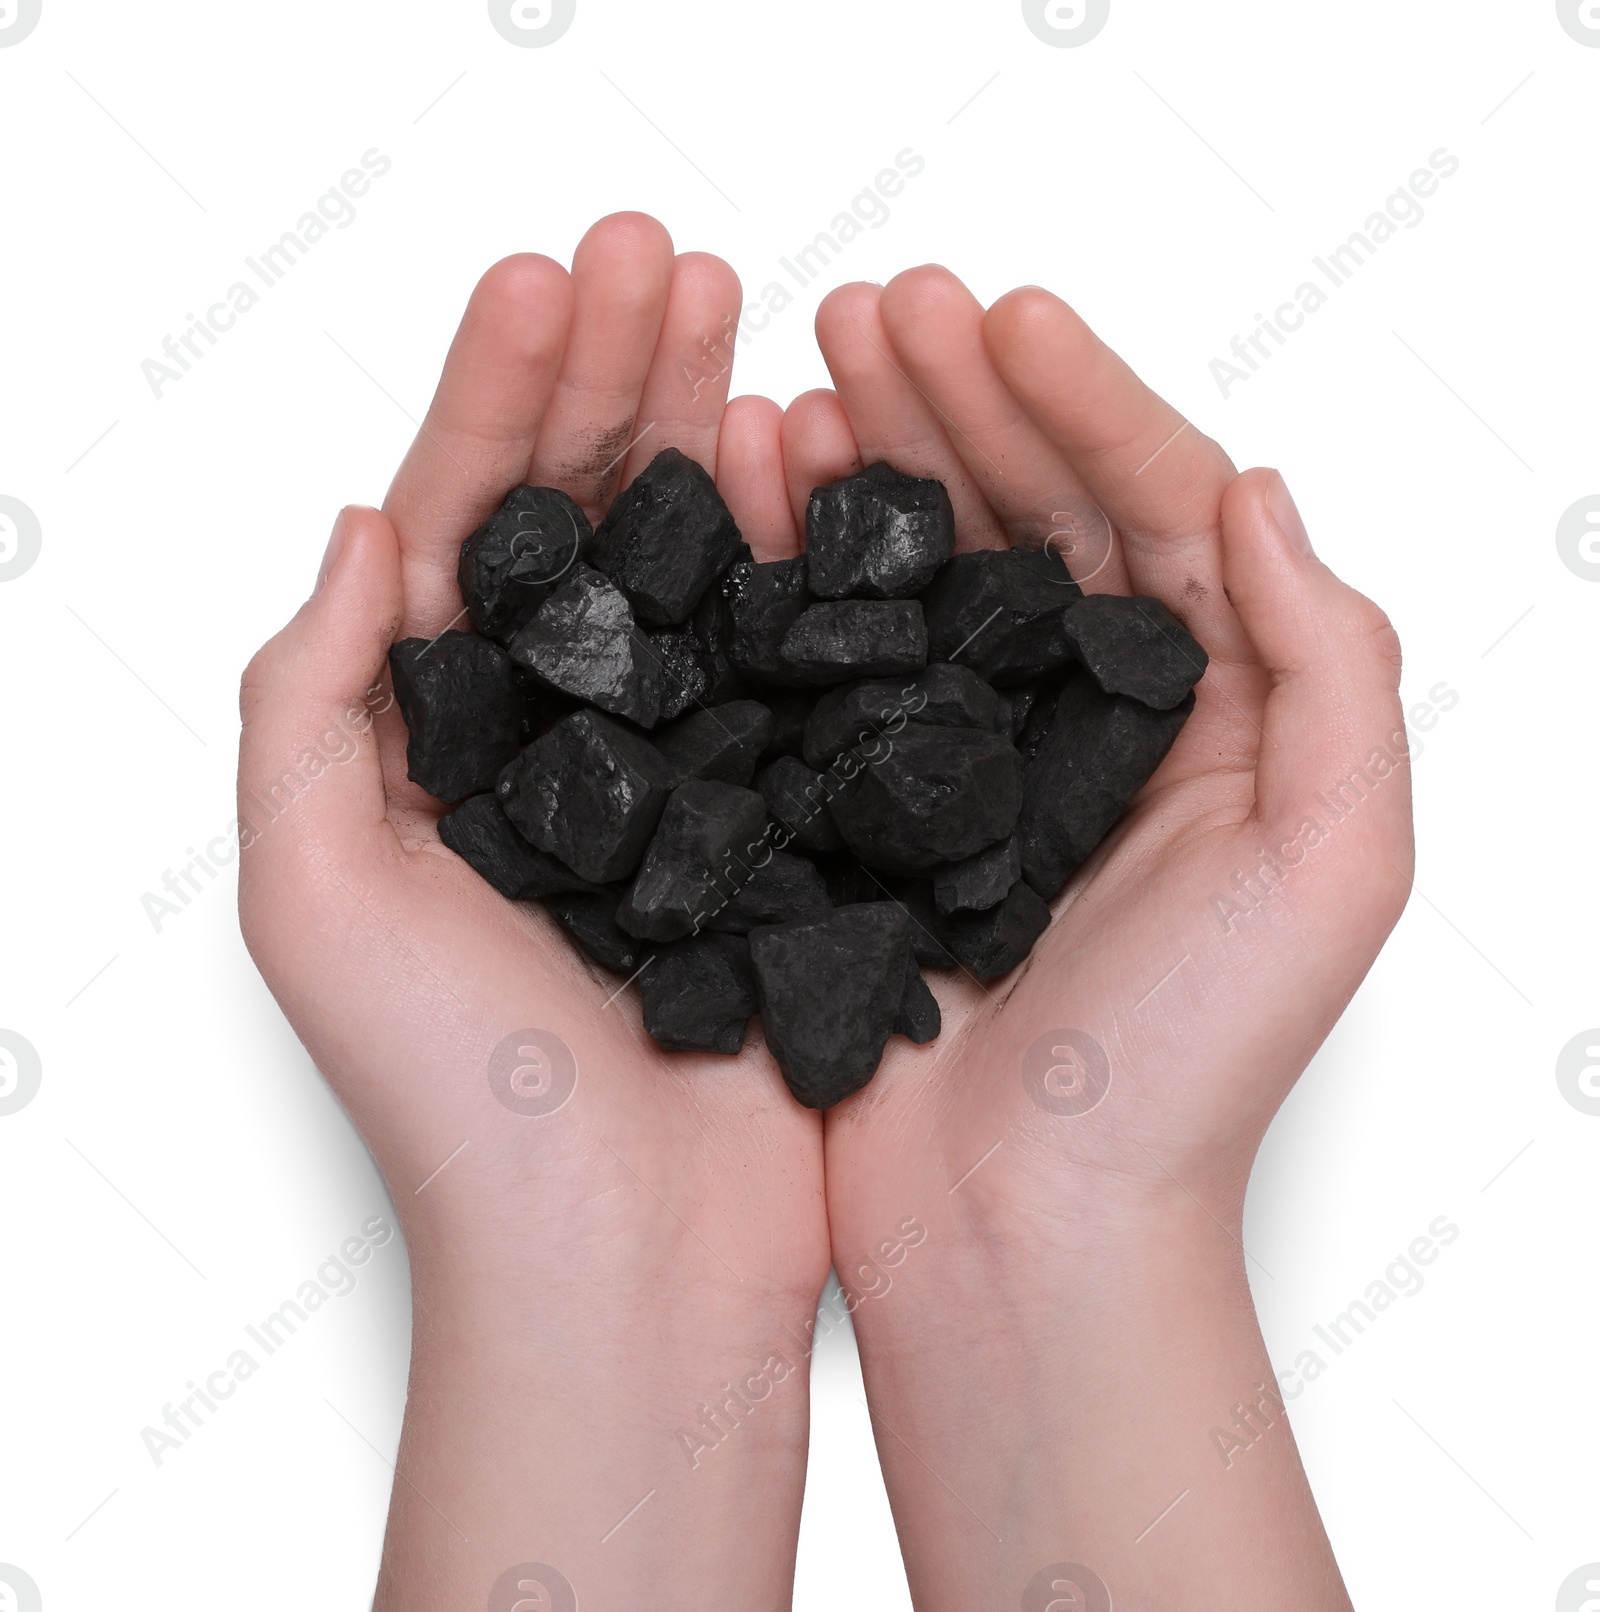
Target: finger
[750, 476]
[479, 430]
[935, 326]
[621, 279]
[891, 418]
[681, 403]
[818, 447]
[309, 773]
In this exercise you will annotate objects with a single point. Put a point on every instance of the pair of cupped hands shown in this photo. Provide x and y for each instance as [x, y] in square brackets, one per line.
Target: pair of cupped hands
[590, 1278]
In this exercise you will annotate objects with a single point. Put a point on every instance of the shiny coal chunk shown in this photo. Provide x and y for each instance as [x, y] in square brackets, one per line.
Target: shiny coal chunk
[695, 666]
[481, 834]
[666, 538]
[980, 882]
[833, 643]
[992, 943]
[589, 792]
[797, 797]
[878, 535]
[939, 795]
[942, 696]
[915, 897]
[917, 1017]
[1135, 647]
[830, 991]
[1000, 612]
[784, 889]
[583, 642]
[791, 711]
[699, 994]
[700, 854]
[764, 601]
[1096, 755]
[720, 742]
[590, 921]
[466, 707]
[511, 564]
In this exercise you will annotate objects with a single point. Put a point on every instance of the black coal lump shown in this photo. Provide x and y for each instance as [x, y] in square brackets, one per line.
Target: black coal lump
[589, 792]
[917, 1018]
[1098, 753]
[466, 708]
[999, 611]
[833, 643]
[701, 853]
[915, 897]
[992, 943]
[699, 994]
[784, 889]
[797, 797]
[1135, 647]
[481, 834]
[941, 695]
[763, 600]
[666, 538]
[591, 922]
[583, 642]
[509, 566]
[720, 742]
[695, 665]
[939, 795]
[878, 535]
[981, 882]
[830, 991]
[791, 710]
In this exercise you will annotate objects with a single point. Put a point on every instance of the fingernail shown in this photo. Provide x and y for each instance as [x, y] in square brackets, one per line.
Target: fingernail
[330, 555]
[1281, 506]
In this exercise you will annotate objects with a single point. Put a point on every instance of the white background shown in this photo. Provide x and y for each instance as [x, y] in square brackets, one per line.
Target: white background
[1172, 177]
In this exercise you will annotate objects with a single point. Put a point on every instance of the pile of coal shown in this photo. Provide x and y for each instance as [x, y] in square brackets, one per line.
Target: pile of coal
[785, 789]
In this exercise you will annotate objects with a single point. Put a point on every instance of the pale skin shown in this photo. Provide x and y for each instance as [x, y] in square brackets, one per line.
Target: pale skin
[1045, 1370]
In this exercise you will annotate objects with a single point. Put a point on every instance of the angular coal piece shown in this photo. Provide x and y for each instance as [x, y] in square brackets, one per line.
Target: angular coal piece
[590, 920]
[764, 601]
[583, 642]
[666, 538]
[720, 743]
[783, 890]
[1000, 612]
[830, 991]
[695, 666]
[797, 797]
[700, 855]
[511, 564]
[481, 834]
[832, 643]
[790, 713]
[915, 898]
[878, 535]
[699, 994]
[941, 695]
[466, 707]
[980, 882]
[937, 795]
[1098, 753]
[992, 943]
[589, 792]
[918, 1018]
[1135, 647]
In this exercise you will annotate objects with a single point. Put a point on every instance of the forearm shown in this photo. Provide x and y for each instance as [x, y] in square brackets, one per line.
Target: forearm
[1114, 1409]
